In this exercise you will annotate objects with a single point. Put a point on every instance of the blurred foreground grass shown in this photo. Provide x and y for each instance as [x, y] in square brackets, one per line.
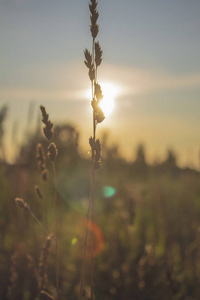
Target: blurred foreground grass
[147, 224]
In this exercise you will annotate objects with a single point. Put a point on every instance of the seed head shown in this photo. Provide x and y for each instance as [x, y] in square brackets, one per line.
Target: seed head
[96, 149]
[99, 115]
[88, 59]
[94, 104]
[91, 142]
[92, 73]
[20, 202]
[94, 30]
[38, 191]
[45, 116]
[48, 131]
[40, 157]
[48, 128]
[52, 151]
[98, 92]
[98, 112]
[43, 279]
[98, 54]
[97, 157]
[92, 6]
[45, 174]
[93, 17]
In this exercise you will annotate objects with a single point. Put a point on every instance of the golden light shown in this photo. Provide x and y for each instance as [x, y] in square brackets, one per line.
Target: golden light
[110, 91]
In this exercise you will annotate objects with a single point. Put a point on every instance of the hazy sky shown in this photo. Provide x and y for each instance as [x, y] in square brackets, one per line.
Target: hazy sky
[151, 52]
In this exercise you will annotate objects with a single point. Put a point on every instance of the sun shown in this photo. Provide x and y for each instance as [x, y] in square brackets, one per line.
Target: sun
[110, 92]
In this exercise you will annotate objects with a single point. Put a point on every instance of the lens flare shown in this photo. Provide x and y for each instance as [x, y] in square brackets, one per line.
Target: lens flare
[74, 193]
[108, 191]
[74, 241]
[99, 238]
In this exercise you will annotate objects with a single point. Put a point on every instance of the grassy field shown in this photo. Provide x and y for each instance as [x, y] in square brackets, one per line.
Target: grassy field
[72, 230]
[147, 225]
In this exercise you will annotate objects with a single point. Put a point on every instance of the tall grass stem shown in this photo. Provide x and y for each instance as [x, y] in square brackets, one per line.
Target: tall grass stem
[56, 229]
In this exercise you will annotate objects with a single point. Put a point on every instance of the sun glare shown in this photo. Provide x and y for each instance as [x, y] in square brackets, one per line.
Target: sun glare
[110, 92]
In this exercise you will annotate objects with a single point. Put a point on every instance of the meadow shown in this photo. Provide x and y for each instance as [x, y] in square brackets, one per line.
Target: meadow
[97, 227]
[146, 229]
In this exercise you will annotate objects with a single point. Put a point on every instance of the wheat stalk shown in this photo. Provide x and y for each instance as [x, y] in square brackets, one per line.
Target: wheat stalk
[92, 62]
[20, 202]
[51, 154]
[42, 268]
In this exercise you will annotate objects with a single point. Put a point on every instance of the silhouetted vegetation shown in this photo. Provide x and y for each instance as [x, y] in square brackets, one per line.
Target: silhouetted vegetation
[147, 224]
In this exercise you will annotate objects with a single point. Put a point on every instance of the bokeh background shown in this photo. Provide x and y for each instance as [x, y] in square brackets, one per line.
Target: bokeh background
[147, 211]
[151, 53]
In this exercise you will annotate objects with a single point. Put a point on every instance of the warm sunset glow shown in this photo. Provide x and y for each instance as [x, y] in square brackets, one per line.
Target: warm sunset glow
[110, 91]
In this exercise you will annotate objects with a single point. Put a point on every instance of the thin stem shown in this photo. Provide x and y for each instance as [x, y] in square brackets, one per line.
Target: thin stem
[91, 202]
[36, 219]
[93, 43]
[93, 179]
[85, 247]
[92, 89]
[46, 204]
[92, 231]
[56, 229]
[47, 295]
[88, 212]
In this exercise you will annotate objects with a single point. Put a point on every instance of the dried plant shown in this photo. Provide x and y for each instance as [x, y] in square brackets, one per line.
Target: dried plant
[41, 161]
[47, 295]
[39, 277]
[48, 128]
[13, 275]
[20, 203]
[42, 268]
[21, 264]
[38, 191]
[93, 61]
[51, 154]
[40, 274]
[32, 266]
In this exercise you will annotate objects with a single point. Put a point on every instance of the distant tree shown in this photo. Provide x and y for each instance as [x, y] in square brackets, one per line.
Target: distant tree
[170, 163]
[140, 155]
[67, 140]
[66, 137]
[171, 157]
[140, 166]
[171, 160]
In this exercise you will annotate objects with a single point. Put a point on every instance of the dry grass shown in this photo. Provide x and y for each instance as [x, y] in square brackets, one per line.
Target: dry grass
[92, 62]
[149, 227]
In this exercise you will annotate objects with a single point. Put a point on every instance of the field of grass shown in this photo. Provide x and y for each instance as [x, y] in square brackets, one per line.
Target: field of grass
[97, 228]
[147, 225]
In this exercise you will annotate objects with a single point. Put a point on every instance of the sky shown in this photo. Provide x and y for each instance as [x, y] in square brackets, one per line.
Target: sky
[150, 53]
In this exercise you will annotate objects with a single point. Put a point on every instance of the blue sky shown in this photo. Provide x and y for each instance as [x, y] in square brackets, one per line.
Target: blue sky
[151, 50]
